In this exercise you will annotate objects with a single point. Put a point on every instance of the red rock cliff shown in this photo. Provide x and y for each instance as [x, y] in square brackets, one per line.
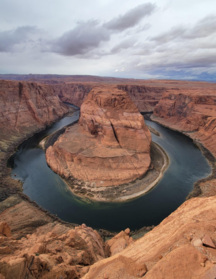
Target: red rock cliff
[144, 97]
[25, 108]
[192, 112]
[72, 93]
[109, 146]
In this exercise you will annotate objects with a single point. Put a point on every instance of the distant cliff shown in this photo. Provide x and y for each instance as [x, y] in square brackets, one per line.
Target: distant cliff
[144, 97]
[72, 93]
[191, 112]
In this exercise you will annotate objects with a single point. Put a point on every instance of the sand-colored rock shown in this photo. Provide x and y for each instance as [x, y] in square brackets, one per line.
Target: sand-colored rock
[167, 250]
[109, 146]
[118, 243]
[52, 251]
[5, 229]
[206, 240]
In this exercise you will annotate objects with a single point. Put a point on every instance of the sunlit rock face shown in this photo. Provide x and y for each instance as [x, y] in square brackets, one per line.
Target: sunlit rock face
[109, 146]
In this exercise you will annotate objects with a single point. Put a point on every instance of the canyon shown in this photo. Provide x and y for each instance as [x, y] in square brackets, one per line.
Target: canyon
[36, 244]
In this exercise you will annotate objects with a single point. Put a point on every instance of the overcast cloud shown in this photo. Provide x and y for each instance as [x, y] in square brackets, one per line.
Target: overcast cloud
[160, 39]
[130, 18]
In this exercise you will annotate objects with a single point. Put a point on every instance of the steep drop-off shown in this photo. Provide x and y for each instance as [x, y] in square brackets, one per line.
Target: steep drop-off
[109, 146]
[144, 97]
[73, 93]
[191, 112]
[25, 108]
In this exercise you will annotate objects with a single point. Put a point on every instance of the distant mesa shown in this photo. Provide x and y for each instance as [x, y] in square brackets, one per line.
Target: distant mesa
[109, 146]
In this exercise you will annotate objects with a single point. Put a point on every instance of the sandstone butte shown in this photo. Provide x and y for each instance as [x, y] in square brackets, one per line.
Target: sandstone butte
[35, 244]
[109, 146]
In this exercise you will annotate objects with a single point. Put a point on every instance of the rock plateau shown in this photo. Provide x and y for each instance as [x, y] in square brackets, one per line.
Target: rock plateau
[109, 146]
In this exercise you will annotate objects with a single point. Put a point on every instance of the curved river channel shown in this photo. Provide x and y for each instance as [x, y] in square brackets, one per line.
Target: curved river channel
[41, 184]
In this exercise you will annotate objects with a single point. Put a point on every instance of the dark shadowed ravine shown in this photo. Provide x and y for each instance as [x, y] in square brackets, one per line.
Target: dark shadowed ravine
[41, 184]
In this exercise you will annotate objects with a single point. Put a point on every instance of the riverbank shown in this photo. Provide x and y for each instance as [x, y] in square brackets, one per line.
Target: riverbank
[125, 192]
[205, 187]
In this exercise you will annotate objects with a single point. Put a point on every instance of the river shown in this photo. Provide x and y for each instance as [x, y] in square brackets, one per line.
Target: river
[41, 184]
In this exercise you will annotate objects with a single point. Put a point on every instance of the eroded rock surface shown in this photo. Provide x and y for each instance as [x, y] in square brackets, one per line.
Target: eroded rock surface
[52, 251]
[72, 92]
[144, 97]
[25, 108]
[109, 146]
[170, 250]
[192, 112]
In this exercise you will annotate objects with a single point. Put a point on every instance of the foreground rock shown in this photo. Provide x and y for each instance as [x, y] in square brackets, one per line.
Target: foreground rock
[53, 251]
[171, 249]
[109, 146]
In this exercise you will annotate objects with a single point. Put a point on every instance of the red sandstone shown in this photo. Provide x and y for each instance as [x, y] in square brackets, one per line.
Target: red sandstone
[109, 146]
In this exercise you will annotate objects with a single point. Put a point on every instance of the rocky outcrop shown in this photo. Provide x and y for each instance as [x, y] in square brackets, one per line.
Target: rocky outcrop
[192, 112]
[25, 108]
[118, 243]
[182, 246]
[109, 146]
[53, 251]
[144, 97]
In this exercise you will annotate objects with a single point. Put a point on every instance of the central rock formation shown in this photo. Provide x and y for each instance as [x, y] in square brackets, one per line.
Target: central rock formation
[109, 146]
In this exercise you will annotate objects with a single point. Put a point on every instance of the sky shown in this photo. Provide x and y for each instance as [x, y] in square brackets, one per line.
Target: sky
[163, 39]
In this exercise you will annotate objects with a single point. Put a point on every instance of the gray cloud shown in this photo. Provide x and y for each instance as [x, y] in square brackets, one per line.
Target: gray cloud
[131, 18]
[202, 29]
[170, 35]
[83, 38]
[123, 45]
[10, 39]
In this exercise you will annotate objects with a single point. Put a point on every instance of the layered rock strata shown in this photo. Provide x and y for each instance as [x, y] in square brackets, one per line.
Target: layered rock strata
[73, 93]
[25, 108]
[144, 97]
[182, 246]
[109, 146]
[192, 112]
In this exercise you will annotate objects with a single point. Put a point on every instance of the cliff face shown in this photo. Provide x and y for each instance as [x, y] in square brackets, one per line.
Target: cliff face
[193, 113]
[144, 97]
[109, 146]
[25, 108]
[72, 93]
